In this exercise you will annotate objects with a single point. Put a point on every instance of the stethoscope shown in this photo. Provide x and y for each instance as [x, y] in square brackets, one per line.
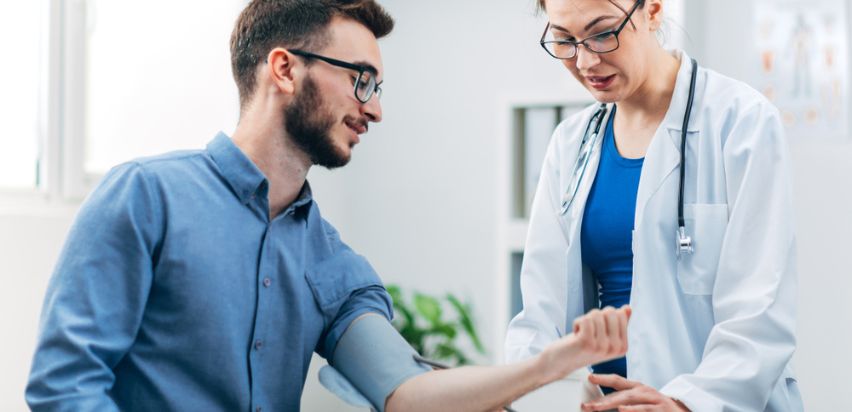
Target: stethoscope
[590, 138]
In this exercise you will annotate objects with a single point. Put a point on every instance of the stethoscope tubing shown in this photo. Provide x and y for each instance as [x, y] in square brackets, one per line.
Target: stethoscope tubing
[590, 139]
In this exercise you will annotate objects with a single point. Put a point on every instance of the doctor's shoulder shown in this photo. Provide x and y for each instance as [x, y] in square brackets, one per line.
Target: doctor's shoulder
[729, 104]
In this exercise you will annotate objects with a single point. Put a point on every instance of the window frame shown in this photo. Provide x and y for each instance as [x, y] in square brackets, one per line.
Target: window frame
[62, 180]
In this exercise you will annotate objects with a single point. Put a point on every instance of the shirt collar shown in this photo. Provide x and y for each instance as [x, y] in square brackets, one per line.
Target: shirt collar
[306, 196]
[238, 170]
[245, 179]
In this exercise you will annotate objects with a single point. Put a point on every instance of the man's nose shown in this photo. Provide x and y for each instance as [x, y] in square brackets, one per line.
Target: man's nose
[372, 110]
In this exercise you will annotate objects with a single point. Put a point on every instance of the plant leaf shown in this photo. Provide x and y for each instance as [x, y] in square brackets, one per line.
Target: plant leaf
[394, 292]
[428, 307]
[466, 322]
[448, 351]
[444, 329]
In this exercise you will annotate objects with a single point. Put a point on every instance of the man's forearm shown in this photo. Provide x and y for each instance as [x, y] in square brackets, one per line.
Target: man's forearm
[470, 388]
[598, 336]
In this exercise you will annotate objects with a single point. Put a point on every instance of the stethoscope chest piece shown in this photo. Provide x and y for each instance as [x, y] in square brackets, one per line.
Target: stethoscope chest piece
[684, 243]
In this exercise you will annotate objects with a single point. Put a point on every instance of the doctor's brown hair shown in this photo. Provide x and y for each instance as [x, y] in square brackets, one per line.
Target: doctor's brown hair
[266, 24]
[541, 5]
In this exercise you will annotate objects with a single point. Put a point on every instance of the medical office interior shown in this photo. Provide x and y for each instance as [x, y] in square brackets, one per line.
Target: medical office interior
[436, 196]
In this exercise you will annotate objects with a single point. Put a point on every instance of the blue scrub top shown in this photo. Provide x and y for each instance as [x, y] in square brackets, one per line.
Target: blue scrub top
[607, 231]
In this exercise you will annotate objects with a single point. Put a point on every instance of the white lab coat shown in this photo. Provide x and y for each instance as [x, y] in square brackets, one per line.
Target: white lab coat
[714, 329]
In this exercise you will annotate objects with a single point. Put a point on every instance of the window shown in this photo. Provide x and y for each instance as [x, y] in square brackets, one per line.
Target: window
[157, 78]
[22, 42]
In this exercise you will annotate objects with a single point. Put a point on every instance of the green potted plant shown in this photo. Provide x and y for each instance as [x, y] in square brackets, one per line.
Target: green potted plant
[423, 325]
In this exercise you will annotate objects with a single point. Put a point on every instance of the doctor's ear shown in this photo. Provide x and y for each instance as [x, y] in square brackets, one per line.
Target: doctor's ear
[654, 11]
[281, 69]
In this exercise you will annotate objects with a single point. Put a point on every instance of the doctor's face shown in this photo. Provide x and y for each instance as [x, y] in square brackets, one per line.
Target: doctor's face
[619, 37]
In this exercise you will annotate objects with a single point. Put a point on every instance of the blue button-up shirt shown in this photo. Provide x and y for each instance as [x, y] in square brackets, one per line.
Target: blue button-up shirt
[175, 292]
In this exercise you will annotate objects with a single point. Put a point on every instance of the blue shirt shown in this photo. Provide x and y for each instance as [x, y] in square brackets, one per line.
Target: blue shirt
[607, 232]
[175, 292]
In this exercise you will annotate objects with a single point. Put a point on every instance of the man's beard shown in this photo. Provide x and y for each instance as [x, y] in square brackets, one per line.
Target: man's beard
[309, 125]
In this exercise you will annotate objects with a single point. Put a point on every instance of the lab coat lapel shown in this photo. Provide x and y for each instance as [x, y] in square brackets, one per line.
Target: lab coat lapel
[575, 213]
[661, 162]
[663, 156]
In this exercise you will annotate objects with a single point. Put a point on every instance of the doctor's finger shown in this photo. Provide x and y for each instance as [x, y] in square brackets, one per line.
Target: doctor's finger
[613, 381]
[638, 408]
[618, 399]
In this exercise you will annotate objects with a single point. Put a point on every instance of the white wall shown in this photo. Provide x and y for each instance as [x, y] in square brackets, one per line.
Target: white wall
[419, 199]
[29, 245]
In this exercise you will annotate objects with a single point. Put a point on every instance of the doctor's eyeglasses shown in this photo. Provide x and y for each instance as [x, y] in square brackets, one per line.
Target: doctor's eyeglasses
[599, 43]
[365, 84]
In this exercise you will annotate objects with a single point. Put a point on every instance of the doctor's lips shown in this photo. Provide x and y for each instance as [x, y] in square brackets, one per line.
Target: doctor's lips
[600, 82]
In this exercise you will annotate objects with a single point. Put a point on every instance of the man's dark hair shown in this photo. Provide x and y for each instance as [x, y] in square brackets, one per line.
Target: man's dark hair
[266, 24]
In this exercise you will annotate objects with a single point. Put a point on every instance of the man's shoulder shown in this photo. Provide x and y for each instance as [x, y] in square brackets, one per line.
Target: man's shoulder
[180, 159]
[172, 166]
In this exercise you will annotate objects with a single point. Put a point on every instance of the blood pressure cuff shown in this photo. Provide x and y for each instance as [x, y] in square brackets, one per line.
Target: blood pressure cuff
[372, 357]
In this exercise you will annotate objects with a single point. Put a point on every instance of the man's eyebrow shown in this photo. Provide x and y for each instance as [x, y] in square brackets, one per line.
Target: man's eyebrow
[588, 26]
[369, 67]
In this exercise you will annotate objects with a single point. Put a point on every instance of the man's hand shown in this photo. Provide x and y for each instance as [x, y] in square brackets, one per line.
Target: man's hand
[630, 396]
[598, 336]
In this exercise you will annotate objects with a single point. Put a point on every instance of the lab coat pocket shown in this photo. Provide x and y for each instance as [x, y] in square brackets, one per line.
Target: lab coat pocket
[706, 224]
[333, 280]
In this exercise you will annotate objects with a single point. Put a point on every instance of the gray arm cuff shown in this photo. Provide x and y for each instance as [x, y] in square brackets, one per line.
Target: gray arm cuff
[375, 359]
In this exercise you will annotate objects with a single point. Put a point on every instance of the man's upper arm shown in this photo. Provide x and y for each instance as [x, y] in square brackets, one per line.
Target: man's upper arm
[345, 287]
[96, 297]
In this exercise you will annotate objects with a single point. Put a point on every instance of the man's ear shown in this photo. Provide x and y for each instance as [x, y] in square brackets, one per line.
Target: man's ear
[280, 69]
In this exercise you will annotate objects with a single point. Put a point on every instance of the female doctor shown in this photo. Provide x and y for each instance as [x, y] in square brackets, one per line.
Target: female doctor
[673, 195]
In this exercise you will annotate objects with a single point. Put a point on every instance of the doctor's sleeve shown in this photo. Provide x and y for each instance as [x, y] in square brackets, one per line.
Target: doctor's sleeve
[97, 294]
[543, 272]
[754, 298]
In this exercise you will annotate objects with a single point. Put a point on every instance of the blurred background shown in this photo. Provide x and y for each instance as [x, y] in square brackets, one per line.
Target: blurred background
[436, 195]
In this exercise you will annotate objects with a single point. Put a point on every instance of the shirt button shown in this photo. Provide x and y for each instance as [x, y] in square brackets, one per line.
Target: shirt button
[267, 282]
[258, 344]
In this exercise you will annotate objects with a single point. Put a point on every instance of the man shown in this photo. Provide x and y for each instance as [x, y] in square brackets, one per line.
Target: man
[205, 280]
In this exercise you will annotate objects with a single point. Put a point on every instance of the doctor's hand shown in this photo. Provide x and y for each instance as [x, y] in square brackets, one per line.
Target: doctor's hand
[630, 396]
[598, 336]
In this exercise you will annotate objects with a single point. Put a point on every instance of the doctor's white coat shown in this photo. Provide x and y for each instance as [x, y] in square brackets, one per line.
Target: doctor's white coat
[714, 329]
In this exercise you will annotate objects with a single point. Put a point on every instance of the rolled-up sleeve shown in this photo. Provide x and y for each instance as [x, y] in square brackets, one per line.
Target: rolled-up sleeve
[97, 294]
[345, 287]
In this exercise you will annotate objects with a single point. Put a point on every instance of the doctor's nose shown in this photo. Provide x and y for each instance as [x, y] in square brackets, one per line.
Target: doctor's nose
[586, 59]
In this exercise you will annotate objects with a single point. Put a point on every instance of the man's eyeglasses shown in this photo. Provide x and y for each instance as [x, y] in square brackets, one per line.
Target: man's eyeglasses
[365, 84]
[600, 43]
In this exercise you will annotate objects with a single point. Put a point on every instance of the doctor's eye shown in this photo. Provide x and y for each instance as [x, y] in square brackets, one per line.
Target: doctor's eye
[603, 42]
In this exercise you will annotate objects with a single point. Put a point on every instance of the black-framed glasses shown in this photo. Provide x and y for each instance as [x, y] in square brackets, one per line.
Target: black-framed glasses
[599, 43]
[365, 84]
